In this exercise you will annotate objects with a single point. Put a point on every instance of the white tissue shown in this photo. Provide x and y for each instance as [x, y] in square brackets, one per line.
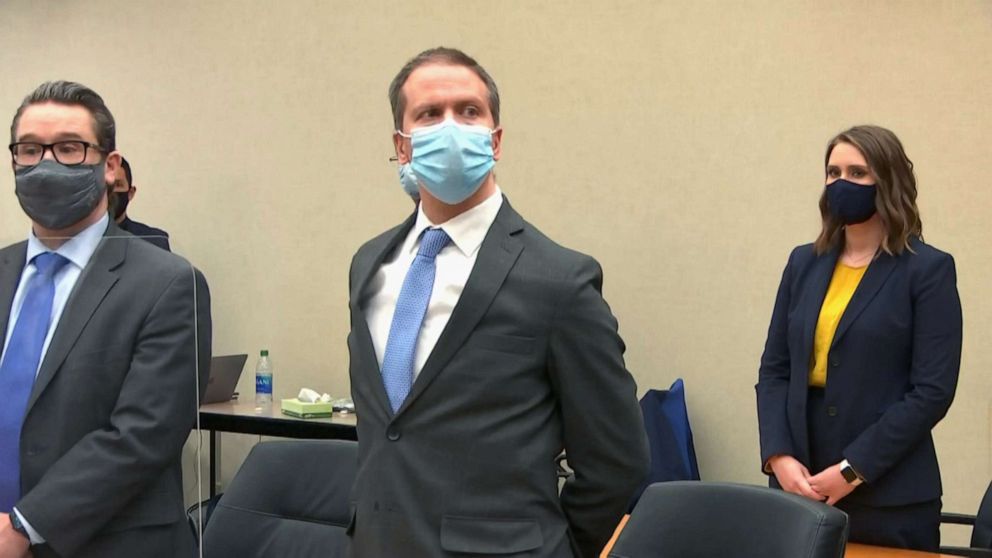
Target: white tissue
[308, 395]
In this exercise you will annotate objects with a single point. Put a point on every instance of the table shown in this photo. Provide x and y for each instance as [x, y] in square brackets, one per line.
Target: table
[244, 418]
[855, 550]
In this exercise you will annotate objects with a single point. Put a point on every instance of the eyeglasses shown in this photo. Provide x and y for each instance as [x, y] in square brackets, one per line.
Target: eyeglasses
[29, 154]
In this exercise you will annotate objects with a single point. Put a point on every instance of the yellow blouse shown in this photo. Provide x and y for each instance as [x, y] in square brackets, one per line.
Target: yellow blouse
[842, 286]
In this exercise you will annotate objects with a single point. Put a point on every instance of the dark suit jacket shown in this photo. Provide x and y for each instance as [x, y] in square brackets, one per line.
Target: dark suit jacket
[529, 363]
[158, 237]
[113, 403]
[892, 369]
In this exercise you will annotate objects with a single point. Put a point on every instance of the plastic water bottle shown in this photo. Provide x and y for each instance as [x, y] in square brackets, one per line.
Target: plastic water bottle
[263, 380]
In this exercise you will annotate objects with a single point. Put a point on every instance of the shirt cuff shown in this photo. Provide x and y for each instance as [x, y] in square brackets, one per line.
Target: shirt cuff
[36, 538]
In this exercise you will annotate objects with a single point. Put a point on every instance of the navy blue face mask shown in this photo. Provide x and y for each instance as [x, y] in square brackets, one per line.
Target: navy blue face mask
[851, 203]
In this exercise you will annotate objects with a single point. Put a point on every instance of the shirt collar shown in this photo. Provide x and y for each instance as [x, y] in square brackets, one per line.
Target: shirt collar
[78, 249]
[466, 230]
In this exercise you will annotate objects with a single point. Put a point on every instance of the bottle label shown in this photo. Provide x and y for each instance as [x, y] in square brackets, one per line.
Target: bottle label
[263, 383]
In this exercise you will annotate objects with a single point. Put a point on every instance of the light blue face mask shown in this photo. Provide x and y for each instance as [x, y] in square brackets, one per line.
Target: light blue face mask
[450, 159]
[409, 182]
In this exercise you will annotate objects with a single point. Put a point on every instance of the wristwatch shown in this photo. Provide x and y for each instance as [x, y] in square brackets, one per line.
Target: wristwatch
[850, 475]
[15, 523]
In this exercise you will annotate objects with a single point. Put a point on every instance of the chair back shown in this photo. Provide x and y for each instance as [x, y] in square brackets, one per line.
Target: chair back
[290, 498]
[697, 519]
[981, 536]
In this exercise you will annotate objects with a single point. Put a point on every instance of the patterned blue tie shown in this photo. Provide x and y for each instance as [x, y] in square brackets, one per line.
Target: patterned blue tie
[19, 367]
[397, 364]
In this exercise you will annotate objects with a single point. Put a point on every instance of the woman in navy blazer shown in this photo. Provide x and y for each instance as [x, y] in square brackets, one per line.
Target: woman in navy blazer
[860, 436]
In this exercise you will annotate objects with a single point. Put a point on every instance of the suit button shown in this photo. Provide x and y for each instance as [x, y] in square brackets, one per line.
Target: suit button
[831, 411]
[834, 363]
[392, 434]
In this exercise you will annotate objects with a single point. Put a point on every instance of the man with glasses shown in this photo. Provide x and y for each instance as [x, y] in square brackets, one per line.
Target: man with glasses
[103, 338]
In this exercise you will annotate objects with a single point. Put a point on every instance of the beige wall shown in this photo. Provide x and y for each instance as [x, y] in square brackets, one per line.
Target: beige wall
[679, 142]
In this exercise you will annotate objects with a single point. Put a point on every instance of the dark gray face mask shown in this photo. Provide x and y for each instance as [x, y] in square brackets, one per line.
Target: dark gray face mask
[56, 196]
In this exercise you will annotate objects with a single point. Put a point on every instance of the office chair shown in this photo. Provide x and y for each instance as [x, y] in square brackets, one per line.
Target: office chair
[981, 533]
[290, 498]
[696, 519]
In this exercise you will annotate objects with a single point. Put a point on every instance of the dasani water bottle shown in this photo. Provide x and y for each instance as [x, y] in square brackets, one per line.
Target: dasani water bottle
[263, 380]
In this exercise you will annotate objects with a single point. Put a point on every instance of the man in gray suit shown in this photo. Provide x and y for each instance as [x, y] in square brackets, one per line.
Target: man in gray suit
[104, 336]
[479, 350]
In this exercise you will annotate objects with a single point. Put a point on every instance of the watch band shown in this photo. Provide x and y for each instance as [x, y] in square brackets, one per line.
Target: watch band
[850, 475]
[15, 523]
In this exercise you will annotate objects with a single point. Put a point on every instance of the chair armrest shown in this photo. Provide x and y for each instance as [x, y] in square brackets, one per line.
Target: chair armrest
[957, 518]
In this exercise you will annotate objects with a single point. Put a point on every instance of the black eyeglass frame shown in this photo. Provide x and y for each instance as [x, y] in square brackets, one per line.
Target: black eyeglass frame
[50, 148]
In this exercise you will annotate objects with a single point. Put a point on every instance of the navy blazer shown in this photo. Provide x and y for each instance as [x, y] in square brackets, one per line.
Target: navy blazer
[892, 369]
[158, 237]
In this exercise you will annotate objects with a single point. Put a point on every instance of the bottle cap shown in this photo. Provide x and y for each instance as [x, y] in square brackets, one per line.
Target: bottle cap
[265, 352]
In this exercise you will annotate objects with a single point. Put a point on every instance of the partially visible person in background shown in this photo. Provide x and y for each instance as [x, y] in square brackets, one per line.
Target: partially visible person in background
[121, 197]
[863, 352]
[408, 180]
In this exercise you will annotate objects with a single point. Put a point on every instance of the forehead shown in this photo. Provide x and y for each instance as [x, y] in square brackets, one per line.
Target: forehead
[439, 81]
[846, 154]
[50, 121]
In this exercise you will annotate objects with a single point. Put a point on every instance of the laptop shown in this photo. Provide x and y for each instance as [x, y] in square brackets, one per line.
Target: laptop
[225, 371]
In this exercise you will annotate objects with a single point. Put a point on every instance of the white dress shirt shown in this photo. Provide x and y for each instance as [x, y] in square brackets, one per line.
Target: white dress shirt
[78, 250]
[453, 265]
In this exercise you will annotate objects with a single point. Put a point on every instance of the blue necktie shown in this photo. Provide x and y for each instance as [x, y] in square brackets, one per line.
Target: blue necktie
[397, 363]
[19, 368]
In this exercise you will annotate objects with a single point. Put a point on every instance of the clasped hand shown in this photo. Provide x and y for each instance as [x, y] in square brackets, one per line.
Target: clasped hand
[827, 486]
[12, 543]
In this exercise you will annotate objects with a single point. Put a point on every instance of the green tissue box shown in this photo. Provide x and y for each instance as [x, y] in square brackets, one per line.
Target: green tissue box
[300, 409]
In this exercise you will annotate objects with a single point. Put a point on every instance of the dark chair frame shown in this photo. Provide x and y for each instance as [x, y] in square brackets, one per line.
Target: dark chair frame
[681, 514]
[983, 517]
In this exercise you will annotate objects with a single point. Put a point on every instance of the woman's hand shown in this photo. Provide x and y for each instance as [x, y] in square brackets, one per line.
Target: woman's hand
[831, 484]
[794, 476]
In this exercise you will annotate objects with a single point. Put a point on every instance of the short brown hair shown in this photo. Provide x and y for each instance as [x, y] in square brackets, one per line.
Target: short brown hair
[439, 55]
[71, 93]
[895, 199]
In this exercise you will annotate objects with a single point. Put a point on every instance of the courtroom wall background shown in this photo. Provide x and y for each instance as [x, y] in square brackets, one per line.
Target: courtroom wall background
[681, 143]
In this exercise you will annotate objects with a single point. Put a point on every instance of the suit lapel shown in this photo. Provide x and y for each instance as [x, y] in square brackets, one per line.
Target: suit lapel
[90, 290]
[11, 268]
[497, 255]
[365, 270]
[820, 275]
[876, 274]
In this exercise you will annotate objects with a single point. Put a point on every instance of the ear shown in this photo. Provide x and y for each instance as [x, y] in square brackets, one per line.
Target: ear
[130, 193]
[404, 151]
[112, 165]
[497, 143]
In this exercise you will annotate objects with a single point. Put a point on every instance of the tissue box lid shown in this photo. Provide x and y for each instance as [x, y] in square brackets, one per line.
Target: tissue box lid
[299, 409]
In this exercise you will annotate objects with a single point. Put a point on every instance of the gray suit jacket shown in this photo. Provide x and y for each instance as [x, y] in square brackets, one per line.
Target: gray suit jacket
[114, 402]
[530, 363]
